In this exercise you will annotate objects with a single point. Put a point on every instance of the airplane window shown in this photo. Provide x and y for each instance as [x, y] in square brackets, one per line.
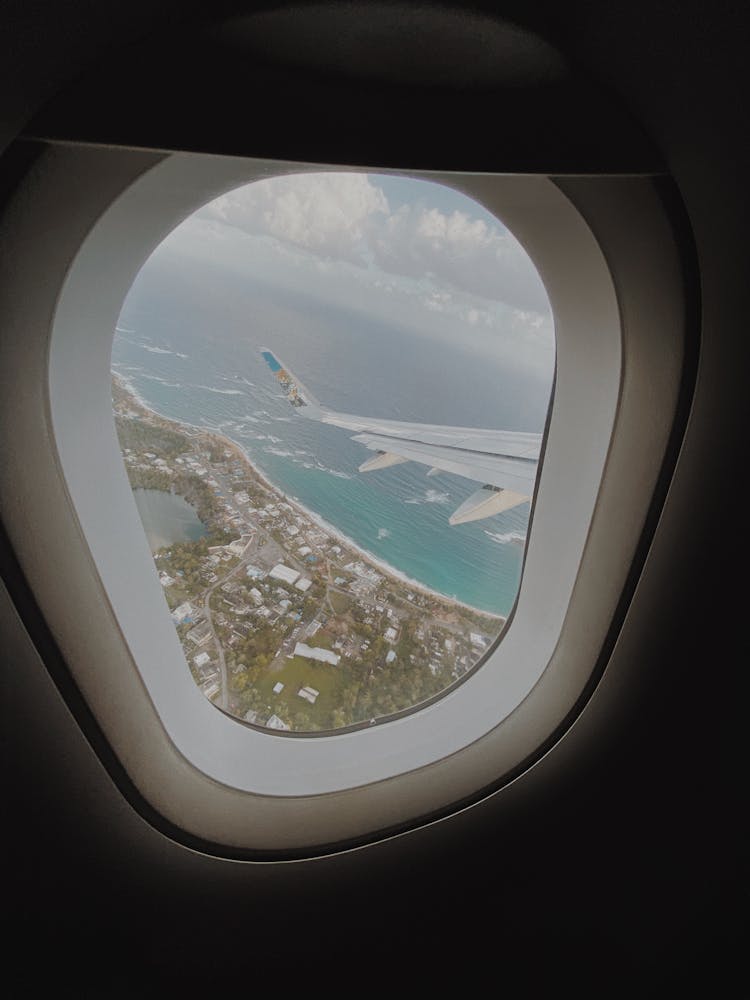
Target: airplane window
[329, 392]
[353, 375]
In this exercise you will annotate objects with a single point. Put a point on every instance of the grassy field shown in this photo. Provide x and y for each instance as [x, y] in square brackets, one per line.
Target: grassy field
[295, 674]
[339, 602]
[322, 639]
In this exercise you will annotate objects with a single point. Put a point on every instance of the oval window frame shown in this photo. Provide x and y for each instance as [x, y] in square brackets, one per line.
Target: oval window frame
[103, 200]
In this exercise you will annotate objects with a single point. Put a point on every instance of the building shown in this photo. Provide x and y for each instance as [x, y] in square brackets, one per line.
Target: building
[282, 572]
[309, 694]
[391, 656]
[278, 687]
[391, 635]
[316, 653]
[276, 723]
[201, 659]
[238, 546]
[183, 613]
[303, 584]
[200, 634]
[211, 689]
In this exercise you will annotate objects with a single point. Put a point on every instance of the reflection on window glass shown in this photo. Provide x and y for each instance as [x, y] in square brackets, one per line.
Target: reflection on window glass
[329, 391]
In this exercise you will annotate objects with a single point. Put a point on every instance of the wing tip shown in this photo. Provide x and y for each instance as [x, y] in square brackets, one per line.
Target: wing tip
[294, 391]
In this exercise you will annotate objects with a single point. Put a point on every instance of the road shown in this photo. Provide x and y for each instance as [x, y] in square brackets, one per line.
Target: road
[224, 692]
[400, 608]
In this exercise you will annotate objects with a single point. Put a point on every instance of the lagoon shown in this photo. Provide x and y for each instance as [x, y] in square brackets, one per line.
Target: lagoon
[167, 518]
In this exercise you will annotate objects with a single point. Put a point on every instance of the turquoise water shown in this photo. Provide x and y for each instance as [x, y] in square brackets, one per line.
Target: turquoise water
[193, 354]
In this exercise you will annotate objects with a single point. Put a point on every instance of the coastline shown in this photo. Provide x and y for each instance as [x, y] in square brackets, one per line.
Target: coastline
[380, 564]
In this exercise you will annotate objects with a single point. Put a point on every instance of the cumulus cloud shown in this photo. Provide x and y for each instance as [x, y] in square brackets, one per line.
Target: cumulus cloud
[347, 217]
[326, 214]
[467, 253]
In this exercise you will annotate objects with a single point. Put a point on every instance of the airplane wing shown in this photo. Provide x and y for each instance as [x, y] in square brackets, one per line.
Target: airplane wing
[505, 462]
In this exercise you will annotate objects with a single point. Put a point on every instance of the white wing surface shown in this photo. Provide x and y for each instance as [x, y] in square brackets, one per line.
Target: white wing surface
[505, 462]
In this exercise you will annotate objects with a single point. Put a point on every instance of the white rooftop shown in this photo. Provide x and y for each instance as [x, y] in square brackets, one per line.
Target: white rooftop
[303, 584]
[309, 694]
[282, 572]
[316, 653]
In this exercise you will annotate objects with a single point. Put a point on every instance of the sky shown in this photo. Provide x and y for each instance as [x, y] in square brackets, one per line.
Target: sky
[413, 252]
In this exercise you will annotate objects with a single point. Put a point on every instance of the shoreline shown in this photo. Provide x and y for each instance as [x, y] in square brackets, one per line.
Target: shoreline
[331, 530]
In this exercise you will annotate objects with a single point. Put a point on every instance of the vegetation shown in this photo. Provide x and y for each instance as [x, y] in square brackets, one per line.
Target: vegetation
[339, 602]
[156, 437]
[257, 631]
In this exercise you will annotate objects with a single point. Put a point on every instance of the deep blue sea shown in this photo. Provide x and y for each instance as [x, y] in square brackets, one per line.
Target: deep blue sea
[189, 344]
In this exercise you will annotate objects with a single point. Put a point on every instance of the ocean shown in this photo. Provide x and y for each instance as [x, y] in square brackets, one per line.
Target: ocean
[189, 345]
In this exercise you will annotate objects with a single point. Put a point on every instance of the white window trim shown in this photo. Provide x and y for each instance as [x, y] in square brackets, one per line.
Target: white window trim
[617, 383]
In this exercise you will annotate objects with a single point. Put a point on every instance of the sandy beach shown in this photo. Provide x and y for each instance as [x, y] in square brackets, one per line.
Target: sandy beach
[378, 564]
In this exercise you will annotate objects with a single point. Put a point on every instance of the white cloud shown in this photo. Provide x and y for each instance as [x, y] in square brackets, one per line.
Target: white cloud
[466, 253]
[327, 214]
[347, 217]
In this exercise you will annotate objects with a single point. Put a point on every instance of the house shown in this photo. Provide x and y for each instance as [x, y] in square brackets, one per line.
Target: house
[309, 694]
[183, 613]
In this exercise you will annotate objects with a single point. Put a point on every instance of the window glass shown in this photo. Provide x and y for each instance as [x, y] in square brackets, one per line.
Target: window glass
[329, 391]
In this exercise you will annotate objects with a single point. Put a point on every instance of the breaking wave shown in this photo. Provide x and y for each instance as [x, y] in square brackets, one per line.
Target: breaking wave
[221, 392]
[504, 537]
[431, 496]
[162, 381]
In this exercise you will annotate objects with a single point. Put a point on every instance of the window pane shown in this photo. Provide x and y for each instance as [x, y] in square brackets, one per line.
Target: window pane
[329, 391]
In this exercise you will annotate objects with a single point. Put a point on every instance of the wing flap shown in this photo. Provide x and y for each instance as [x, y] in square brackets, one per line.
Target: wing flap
[486, 502]
[497, 470]
[505, 462]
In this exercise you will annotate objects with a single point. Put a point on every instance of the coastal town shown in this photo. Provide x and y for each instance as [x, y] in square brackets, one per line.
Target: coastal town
[284, 623]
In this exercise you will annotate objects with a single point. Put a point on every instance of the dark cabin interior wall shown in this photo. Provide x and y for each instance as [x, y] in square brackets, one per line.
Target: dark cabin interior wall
[619, 861]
